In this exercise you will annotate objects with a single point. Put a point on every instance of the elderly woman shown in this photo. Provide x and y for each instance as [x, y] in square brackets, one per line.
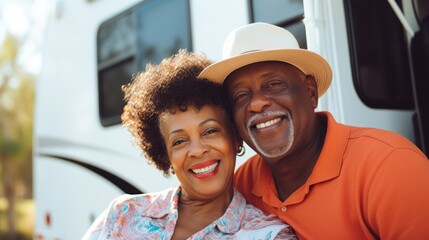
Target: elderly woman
[182, 126]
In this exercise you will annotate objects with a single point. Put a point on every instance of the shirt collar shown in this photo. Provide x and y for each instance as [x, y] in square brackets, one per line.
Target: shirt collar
[168, 200]
[230, 221]
[329, 164]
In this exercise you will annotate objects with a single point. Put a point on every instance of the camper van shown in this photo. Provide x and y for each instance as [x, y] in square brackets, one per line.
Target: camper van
[83, 157]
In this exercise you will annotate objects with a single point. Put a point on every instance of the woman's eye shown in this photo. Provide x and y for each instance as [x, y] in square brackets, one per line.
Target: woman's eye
[178, 142]
[211, 131]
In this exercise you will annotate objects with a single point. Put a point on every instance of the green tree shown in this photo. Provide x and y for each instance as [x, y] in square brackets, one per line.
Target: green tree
[16, 123]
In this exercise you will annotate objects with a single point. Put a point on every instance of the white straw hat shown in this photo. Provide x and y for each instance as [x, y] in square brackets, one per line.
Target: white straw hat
[260, 42]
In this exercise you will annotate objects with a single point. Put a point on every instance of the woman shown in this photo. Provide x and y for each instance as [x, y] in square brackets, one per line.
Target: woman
[182, 126]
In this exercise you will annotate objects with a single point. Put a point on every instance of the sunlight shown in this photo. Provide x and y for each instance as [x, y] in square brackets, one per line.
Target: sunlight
[16, 17]
[26, 20]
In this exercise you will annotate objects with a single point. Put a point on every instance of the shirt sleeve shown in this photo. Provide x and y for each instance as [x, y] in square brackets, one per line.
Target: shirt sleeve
[286, 233]
[95, 231]
[397, 196]
[262, 226]
[271, 232]
[102, 227]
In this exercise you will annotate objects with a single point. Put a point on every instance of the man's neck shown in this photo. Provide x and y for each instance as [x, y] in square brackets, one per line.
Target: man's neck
[294, 170]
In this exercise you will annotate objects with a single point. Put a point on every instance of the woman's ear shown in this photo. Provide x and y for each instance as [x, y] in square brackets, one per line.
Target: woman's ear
[311, 85]
[240, 149]
[238, 142]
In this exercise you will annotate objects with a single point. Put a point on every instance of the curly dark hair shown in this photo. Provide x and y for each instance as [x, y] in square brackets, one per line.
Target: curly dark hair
[168, 86]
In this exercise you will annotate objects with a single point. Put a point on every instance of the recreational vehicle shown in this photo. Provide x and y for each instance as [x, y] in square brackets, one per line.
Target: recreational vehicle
[83, 157]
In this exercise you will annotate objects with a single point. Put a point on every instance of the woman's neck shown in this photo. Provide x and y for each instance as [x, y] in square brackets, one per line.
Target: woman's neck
[196, 214]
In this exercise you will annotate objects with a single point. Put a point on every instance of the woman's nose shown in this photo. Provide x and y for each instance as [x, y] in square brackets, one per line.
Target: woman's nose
[197, 149]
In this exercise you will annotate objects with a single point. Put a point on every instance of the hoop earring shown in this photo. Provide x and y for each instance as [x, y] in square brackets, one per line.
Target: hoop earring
[241, 151]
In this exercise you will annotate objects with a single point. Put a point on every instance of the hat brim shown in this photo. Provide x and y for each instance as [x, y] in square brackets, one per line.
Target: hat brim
[308, 62]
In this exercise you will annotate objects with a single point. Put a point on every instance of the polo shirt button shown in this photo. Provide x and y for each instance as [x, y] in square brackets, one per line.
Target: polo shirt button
[284, 208]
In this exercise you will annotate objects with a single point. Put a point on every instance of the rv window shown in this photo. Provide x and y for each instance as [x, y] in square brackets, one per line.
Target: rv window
[145, 33]
[284, 13]
[113, 78]
[378, 51]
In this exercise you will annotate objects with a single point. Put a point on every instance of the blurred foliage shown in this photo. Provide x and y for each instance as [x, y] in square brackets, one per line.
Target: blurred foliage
[9, 49]
[17, 89]
[25, 218]
[16, 110]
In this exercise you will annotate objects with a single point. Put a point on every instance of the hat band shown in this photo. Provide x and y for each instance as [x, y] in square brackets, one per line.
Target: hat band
[256, 50]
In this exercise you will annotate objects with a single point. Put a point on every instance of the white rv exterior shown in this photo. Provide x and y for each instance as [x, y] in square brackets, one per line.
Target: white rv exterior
[81, 164]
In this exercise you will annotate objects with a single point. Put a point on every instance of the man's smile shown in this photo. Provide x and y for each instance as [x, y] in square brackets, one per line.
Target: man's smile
[268, 123]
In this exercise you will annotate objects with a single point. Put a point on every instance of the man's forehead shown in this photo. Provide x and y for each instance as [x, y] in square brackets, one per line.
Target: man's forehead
[267, 67]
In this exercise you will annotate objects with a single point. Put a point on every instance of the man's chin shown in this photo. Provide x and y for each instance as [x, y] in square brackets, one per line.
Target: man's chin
[272, 153]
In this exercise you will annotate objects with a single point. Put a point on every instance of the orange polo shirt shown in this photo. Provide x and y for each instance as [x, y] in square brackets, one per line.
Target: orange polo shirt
[366, 184]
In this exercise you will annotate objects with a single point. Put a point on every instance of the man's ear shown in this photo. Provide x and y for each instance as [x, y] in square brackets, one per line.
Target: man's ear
[311, 85]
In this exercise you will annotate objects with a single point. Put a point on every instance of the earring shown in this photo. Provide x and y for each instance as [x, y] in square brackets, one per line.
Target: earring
[172, 170]
[241, 151]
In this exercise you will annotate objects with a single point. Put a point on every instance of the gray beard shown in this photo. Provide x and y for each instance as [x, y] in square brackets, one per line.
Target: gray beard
[277, 152]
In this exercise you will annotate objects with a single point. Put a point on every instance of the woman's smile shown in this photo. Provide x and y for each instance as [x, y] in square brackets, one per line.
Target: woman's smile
[205, 169]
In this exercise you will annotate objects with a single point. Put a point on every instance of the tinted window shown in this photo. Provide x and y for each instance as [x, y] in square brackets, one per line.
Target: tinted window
[284, 13]
[378, 51]
[148, 32]
[113, 78]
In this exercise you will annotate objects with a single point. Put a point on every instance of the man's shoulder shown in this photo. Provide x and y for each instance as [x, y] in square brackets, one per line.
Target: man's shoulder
[249, 168]
[251, 162]
[367, 136]
[247, 175]
[381, 138]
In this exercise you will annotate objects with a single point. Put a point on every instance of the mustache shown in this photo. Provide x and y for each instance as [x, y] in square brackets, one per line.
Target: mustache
[256, 117]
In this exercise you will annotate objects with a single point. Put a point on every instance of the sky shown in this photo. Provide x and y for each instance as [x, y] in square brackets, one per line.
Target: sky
[26, 20]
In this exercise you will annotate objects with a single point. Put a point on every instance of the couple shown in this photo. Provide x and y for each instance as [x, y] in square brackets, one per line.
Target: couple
[324, 179]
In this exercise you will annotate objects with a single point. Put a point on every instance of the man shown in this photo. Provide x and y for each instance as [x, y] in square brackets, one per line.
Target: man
[327, 180]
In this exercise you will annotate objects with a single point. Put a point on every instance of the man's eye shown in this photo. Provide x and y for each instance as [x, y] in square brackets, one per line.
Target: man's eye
[274, 83]
[240, 97]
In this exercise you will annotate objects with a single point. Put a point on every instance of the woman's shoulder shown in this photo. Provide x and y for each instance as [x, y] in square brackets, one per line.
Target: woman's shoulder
[146, 204]
[163, 195]
[119, 220]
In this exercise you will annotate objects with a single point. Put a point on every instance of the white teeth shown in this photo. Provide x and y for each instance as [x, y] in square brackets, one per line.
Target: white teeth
[267, 124]
[206, 169]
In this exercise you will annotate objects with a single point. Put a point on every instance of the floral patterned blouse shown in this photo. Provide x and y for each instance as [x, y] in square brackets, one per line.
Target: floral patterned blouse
[154, 216]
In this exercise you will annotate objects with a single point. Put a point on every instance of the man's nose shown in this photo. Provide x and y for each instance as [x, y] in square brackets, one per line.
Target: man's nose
[258, 102]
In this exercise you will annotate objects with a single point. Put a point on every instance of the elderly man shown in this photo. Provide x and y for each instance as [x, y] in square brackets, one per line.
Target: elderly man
[327, 180]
